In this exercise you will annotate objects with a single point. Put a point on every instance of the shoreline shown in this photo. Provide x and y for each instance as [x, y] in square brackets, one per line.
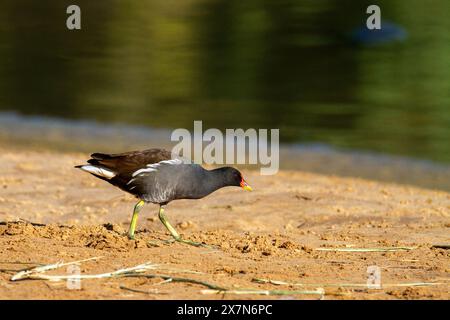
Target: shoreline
[60, 135]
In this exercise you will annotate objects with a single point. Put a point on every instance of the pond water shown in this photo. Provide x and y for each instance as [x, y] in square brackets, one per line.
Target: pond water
[305, 67]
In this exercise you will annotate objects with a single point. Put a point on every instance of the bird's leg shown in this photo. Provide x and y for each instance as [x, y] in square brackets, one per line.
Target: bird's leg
[174, 233]
[133, 223]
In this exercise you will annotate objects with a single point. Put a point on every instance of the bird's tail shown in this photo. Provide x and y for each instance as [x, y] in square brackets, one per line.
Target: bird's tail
[97, 171]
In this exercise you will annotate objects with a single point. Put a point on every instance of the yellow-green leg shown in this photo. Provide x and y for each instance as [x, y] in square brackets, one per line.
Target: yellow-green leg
[174, 233]
[134, 218]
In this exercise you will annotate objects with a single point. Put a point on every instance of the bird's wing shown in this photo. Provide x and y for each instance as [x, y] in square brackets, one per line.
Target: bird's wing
[128, 162]
[131, 171]
[155, 180]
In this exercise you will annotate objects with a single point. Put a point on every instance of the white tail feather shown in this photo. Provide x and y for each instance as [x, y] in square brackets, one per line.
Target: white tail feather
[99, 171]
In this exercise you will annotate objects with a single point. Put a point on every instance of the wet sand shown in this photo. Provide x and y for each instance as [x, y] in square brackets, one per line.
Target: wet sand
[275, 232]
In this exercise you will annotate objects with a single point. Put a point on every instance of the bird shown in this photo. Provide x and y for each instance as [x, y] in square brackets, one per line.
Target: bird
[157, 176]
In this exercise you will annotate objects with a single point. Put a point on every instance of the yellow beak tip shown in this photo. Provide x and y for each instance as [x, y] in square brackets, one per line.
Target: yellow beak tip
[248, 188]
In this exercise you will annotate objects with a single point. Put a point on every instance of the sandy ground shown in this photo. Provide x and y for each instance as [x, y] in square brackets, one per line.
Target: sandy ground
[271, 233]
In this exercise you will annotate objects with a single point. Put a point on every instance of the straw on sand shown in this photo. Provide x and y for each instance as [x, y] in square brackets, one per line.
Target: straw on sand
[382, 249]
[354, 285]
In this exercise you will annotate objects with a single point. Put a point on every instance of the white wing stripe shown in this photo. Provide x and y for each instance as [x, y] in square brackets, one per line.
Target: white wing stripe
[172, 161]
[142, 171]
[154, 166]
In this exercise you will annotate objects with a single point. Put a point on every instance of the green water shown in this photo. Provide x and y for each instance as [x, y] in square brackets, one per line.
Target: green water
[260, 64]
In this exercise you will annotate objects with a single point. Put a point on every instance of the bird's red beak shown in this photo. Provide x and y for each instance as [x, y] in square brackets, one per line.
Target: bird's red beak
[245, 186]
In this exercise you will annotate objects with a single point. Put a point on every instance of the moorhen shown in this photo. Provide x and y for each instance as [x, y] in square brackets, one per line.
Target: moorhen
[156, 176]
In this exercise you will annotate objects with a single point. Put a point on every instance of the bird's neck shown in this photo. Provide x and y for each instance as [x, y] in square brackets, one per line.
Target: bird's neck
[212, 181]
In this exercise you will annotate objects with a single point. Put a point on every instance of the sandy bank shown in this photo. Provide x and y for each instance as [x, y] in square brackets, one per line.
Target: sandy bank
[271, 233]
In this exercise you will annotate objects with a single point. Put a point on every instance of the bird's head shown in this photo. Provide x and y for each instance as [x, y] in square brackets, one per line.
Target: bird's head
[233, 177]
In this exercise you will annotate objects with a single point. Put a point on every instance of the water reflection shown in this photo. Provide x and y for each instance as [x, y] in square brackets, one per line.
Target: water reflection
[263, 64]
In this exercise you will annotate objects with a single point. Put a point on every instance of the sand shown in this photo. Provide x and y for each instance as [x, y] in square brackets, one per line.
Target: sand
[51, 212]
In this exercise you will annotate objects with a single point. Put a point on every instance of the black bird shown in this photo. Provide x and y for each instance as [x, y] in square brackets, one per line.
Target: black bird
[156, 176]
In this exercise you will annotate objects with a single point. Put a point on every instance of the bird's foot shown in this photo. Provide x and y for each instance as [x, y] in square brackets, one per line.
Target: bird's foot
[189, 242]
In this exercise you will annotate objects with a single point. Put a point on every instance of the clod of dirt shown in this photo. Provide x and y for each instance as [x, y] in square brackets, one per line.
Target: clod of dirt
[108, 236]
[411, 293]
[13, 228]
[114, 227]
[186, 225]
[288, 245]
[107, 241]
[307, 249]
